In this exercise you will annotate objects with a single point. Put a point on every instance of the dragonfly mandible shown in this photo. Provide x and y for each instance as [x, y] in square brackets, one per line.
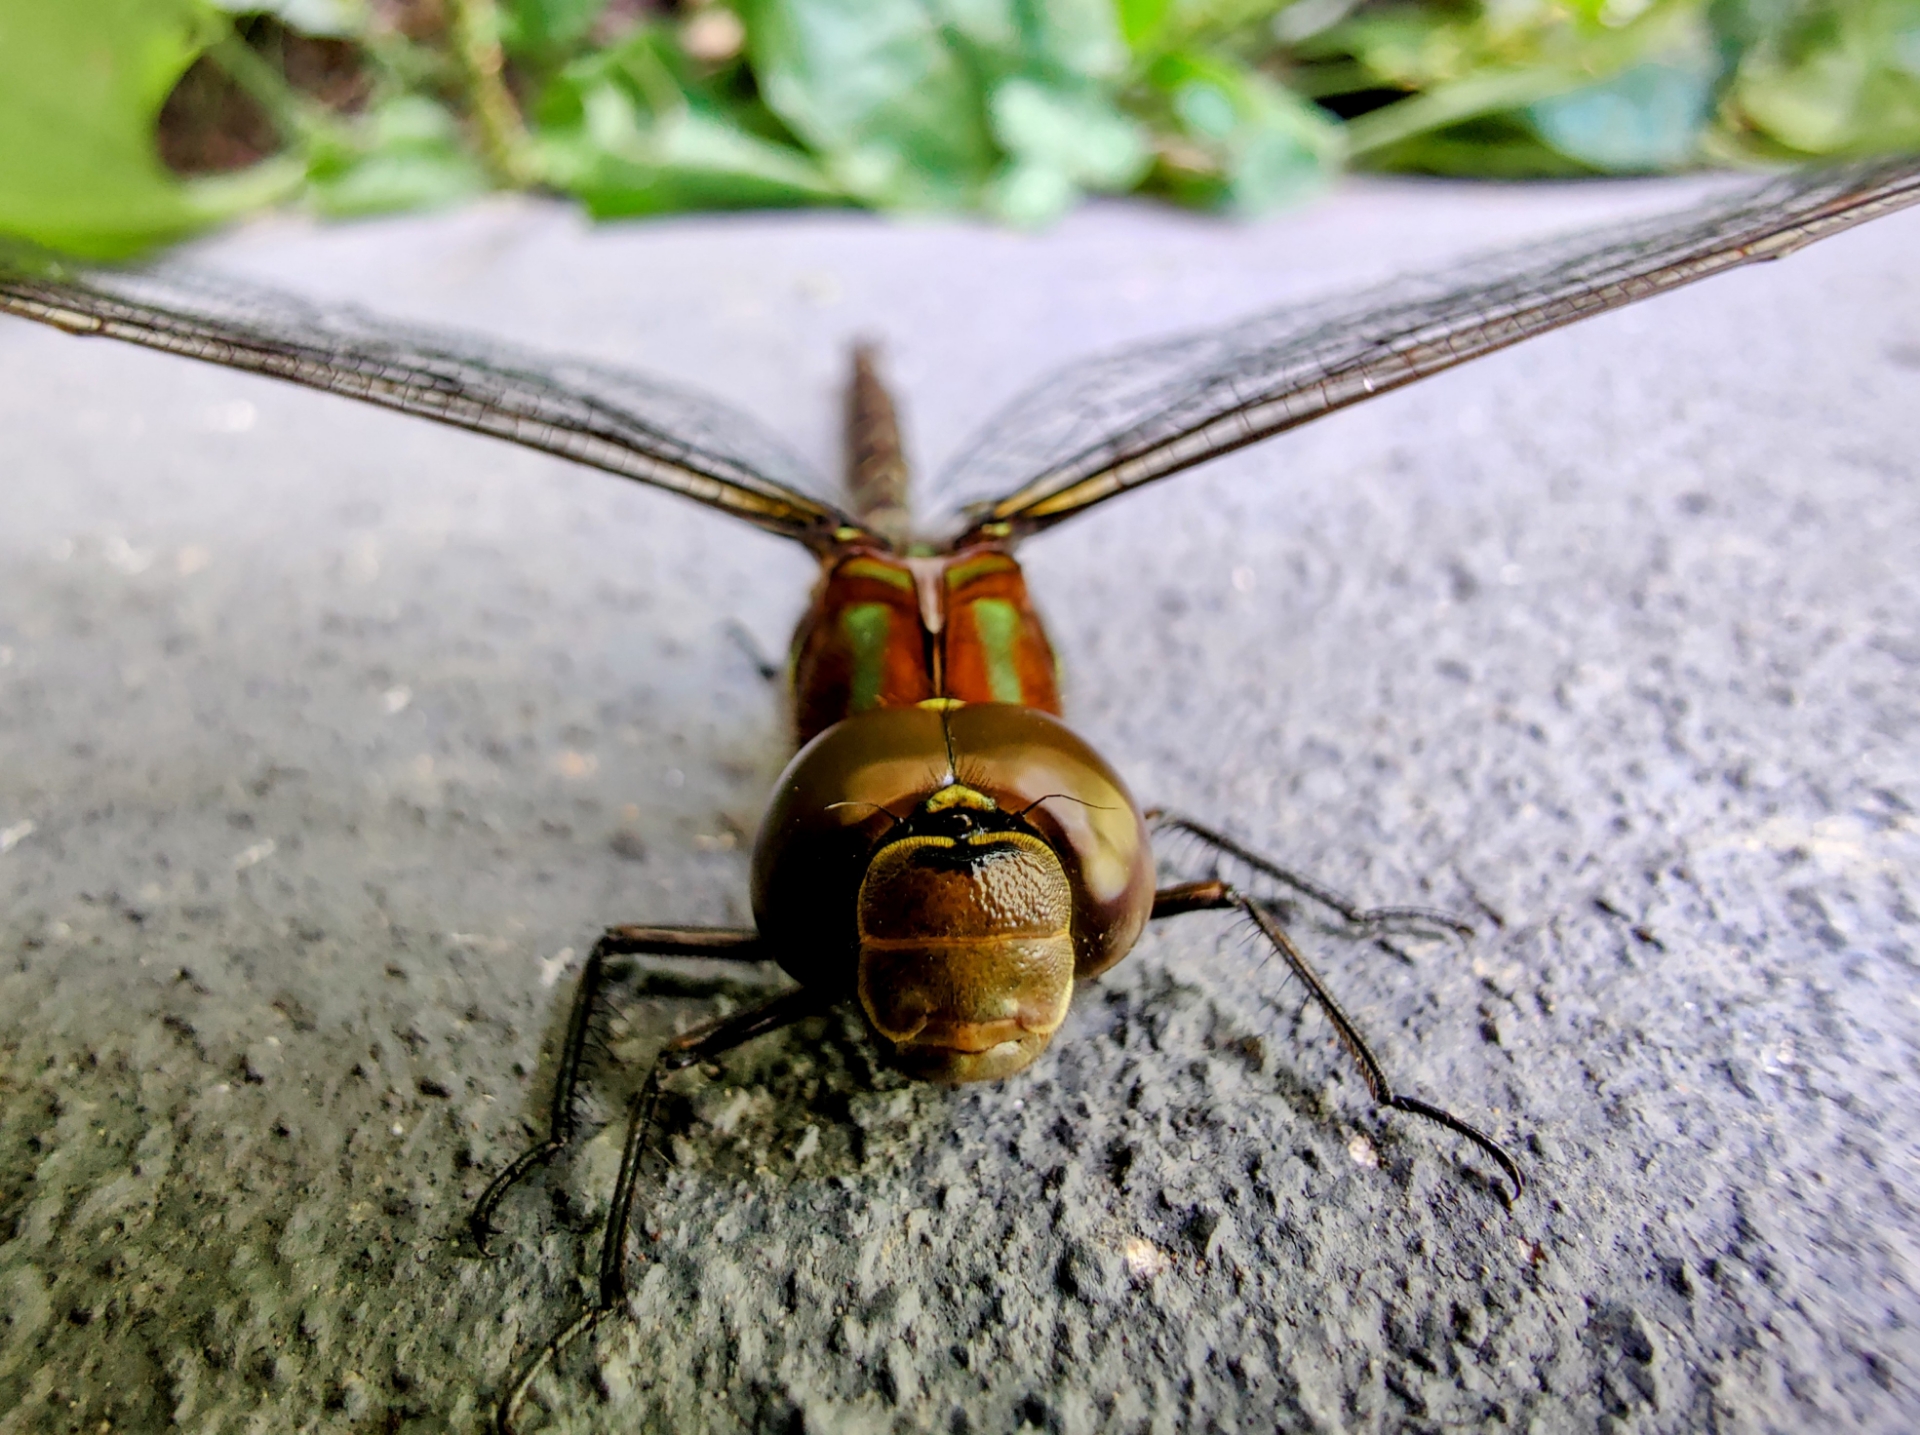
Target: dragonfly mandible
[942, 850]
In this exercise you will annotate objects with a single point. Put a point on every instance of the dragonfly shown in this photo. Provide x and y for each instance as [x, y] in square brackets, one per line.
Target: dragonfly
[942, 850]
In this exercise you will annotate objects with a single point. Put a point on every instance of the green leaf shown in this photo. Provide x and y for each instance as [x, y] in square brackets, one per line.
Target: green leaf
[1029, 195]
[1496, 146]
[81, 83]
[1285, 150]
[1408, 46]
[1075, 131]
[1649, 118]
[545, 28]
[1265, 146]
[646, 63]
[1827, 77]
[1141, 21]
[636, 129]
[1905, 51]
[621, 160]
[882, 90]
[336, 19]
[410, 157]
[1206, 108]
[1058, 143]
[1077, 38]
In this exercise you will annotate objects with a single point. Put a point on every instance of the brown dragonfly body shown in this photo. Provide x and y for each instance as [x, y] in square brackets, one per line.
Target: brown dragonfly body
[940, 845]
[889, 631]
[942, 849]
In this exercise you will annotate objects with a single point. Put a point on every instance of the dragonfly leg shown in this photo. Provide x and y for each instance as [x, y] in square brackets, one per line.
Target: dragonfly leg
[724, 943]
[743, 639]
[1376, 919]
[1219, 896]
[687, 1049]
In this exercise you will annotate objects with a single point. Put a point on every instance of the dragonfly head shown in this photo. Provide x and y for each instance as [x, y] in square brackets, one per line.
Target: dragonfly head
[959, 871]
[965, 920]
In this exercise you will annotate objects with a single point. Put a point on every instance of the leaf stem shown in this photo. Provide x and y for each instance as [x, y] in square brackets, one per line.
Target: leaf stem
[1449, 104]
[298, 119]
[503, 134]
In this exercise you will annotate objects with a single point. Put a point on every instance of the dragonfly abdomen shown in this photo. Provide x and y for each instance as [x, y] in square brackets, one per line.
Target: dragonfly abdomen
[876, 461]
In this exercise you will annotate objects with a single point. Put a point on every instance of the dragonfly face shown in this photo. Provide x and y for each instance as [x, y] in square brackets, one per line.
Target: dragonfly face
[959, 868]
[965, 920]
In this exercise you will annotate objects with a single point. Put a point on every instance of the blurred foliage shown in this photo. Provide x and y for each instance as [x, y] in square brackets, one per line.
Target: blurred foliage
[128, 122]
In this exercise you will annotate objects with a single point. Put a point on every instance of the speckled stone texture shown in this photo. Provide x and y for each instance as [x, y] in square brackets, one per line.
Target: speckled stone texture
[339, 736]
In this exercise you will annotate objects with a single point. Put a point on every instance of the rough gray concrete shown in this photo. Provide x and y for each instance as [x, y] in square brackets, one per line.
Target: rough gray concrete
[337, 734]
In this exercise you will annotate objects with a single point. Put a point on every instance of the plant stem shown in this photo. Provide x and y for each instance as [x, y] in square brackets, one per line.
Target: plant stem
[1449, 104]
[503, 135]
[298, 119]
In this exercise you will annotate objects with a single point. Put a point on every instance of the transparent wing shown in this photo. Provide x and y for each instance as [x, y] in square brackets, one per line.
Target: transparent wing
[1102, 427]
[595, 414]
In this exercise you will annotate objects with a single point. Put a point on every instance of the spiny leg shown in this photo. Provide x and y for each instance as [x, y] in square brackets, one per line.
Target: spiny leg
[689, 1049]
[1376, 918]
[1218, 896]
[721, 943]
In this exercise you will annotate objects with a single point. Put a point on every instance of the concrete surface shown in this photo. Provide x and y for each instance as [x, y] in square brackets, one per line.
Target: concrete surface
[339, 734]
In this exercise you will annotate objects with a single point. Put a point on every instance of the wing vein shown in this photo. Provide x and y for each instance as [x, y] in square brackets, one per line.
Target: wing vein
[606, 418]
[1104, 427]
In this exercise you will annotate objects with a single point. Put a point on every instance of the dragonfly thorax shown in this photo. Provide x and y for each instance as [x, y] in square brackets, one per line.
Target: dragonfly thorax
[885, 631]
